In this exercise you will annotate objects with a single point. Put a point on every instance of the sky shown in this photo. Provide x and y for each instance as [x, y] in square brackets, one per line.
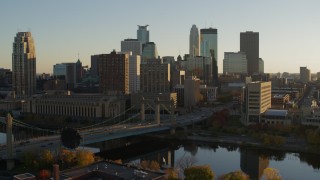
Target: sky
[289, 30]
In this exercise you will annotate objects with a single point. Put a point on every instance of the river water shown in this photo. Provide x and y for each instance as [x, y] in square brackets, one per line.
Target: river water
[221, 158]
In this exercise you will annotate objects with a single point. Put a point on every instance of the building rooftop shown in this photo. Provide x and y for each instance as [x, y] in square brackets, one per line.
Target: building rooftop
[25, 176]
[108, 170]
[276, 112]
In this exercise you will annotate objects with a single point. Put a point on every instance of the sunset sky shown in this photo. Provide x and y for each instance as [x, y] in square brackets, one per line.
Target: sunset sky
[289, 29]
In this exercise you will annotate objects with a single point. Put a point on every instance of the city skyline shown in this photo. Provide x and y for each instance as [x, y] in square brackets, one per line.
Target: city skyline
[61, 31]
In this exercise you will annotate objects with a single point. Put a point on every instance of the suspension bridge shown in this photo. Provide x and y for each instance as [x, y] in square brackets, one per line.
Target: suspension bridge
[122, 125]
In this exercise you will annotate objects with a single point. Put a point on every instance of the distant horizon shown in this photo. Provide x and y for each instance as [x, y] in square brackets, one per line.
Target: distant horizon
[288, 40]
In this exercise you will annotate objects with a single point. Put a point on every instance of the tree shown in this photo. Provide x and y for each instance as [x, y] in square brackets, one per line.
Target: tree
[186, 162]
[199, 172]
[235, 175]
[271, 174]
[67, 158]
[29, 159]
[172, 174]
[84, 158]
[46, 159]
[70, 138]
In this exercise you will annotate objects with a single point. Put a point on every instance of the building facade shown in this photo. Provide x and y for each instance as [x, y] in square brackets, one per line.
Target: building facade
[113, 73]
[96, 106]
[191, 92]
[24, 65]
[194, 43]
[235, 63]
[257, 101]
[249, 43]
[305, 74]
[143, 34]
[208, 41]
[149, 52]
[133, 45]
[134, 73]
[155, 78]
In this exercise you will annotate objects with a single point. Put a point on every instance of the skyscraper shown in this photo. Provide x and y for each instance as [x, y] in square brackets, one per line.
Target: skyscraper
[305, 74]
[208, 41]
[249, 43]
[143, 34]
[133, 45]
[113, 73]
[194, 41]
[24, 65]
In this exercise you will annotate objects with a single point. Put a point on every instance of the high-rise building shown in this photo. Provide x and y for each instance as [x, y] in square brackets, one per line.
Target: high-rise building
[67, 72]
[208, 41]
[133, 45]
[257, 101]
[194, 46]
[155, 78]
[149, 52]
[24, 65]
[113, 72]
[191, 91]
[143, 34]
[134, 73]
[235, 63]
[249, 43]
[305, 74]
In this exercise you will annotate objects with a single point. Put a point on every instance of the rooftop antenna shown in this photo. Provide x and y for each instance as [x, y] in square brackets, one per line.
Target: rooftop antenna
[78, 56]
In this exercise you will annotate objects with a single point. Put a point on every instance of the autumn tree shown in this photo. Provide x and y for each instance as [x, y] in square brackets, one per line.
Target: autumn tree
[235, 175]
[172, 174]
[84, 158]
[199, 172]
[186, 162]
[46, 159]
[271, 174]
[152, 165]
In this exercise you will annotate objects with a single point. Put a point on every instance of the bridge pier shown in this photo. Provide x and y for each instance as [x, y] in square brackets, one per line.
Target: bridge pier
[142, 111]
[10, 160]
[157, 111]
[173, 118]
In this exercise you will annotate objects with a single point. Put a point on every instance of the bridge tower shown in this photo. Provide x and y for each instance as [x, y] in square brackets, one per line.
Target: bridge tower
[157, 111]
[142, 111]
[10, 160]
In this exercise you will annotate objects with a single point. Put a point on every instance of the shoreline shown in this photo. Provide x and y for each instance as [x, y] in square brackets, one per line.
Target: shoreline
[223, 140]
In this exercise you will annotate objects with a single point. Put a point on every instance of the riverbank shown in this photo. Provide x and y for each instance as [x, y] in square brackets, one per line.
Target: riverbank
[291, 145]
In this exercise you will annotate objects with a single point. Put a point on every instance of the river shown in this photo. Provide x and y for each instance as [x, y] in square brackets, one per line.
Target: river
[222, 158]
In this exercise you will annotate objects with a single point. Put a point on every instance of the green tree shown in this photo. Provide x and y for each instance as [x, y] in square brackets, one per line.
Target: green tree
[235, 175]
[29, 159]
[199, 172]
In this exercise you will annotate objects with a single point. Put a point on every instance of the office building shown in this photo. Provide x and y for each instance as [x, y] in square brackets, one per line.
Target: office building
[113, 73]
[194, 43]
[208, 41]
[67, 72]
[149, 52]
[235, 63]
[143, 34]
[133, 45]
[257, 101]
[155, 78]
[191, 91]
[134, 73]
[201, 67]
[249, 43]
[305, 74]
[24, 65]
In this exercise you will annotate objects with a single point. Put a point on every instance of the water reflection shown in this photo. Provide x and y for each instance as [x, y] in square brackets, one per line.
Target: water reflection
[252, 163]
[223, 158]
